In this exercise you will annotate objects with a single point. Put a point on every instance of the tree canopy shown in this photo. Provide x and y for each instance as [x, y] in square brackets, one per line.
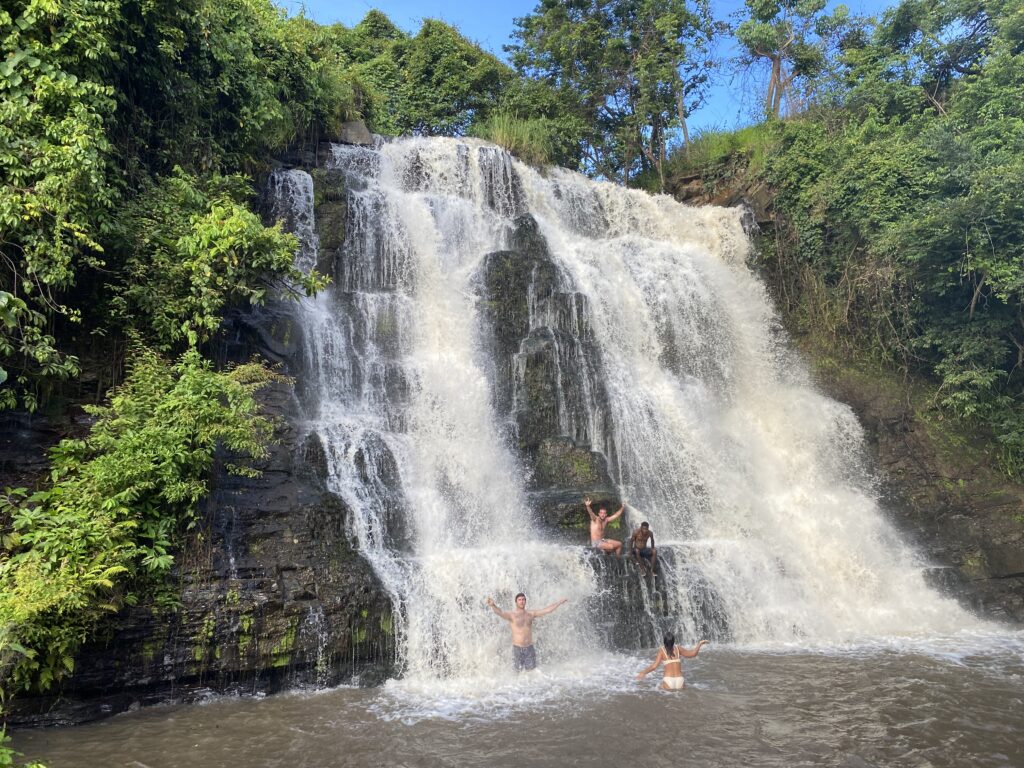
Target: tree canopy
[901, 191]
[630, 71]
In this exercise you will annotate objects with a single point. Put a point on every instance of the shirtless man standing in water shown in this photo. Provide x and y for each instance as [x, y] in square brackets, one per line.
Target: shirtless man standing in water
[524, 655]
[597, 525]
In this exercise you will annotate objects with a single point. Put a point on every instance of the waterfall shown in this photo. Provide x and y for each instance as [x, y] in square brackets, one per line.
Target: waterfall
[667, 359]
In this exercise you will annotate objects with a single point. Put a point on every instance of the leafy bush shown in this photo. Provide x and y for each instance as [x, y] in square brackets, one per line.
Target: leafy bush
[23, 338]
[194, 248]
[116, 504]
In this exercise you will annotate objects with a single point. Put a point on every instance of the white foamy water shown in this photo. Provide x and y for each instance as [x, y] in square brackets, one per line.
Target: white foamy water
[721, 441]
[712, 429]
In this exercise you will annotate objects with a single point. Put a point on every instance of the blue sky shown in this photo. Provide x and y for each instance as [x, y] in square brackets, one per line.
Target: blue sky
[490, 24]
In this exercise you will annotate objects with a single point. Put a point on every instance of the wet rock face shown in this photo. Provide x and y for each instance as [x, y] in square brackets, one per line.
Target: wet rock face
[24, 441]
[269, 592]
[546, 378]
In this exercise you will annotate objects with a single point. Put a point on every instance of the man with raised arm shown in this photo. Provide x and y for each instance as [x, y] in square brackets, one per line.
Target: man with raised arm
[597, 526]
[524, 655]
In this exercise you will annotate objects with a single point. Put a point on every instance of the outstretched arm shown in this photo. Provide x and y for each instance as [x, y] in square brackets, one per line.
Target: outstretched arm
[654, 665]
[696, 649]
[618, 514]
[586, 503]
[549, 609]
[504, 614]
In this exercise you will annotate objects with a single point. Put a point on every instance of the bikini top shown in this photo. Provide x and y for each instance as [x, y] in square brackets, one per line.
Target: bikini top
[673, 660]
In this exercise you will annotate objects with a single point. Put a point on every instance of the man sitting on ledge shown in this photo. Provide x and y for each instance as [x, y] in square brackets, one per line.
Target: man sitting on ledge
[641, 546]
[597, 526]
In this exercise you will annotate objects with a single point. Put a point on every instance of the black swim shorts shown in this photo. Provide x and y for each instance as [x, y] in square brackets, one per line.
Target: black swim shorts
[524, 658]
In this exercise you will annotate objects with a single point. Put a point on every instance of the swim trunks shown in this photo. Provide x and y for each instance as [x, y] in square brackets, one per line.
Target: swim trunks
[524, 658]
[645, 553]
[596, 543]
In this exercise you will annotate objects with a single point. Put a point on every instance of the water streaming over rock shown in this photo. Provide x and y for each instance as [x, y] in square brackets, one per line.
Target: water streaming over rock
[654, 345]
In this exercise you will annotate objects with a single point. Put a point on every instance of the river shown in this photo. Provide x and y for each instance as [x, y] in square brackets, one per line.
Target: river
[948, 702]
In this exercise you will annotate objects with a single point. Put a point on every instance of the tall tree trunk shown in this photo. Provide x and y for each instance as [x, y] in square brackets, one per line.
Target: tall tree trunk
[662, 153]
[681, 114]
[774, 97]
[780, 88]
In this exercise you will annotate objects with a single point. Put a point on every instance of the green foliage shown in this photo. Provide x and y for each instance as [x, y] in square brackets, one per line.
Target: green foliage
[95, 94]
[54, 107]
[792, 37]
[629, 70]
[23, 339]
[215, 85]
[56, 196]
[434, 83]
[529, 139]
[905, 222]
[115, 504]
[195, 249]
[710, 152]
[447, 80]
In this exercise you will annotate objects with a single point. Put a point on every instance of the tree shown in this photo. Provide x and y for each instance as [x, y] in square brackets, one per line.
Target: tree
[447, 80]
[903, 204]
[631, 70]
[792, 37]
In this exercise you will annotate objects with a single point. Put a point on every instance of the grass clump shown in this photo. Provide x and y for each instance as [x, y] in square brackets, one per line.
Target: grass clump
[529, 139]
[714, 148]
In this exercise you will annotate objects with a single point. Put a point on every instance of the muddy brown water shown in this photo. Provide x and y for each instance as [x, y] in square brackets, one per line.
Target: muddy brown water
[854, 708]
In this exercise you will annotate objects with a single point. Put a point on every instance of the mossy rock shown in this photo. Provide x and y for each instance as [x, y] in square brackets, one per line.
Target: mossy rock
[561, 464]
[330, 225]
[329, 186]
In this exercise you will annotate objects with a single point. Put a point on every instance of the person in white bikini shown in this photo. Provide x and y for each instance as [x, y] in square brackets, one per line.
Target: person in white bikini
[671, 655]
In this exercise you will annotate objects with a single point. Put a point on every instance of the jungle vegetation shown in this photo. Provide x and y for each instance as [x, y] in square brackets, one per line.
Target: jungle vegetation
[131, 133]
[901, 233]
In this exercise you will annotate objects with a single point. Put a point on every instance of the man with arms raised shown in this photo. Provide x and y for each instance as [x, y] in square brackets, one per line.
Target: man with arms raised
[597, 526]
[524, 655]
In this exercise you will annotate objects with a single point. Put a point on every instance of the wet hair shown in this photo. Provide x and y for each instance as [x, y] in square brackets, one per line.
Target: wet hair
[520, 595]
[669, 640]
[645, 524]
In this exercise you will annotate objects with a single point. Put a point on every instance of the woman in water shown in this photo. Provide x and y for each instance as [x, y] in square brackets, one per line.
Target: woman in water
[672, 655]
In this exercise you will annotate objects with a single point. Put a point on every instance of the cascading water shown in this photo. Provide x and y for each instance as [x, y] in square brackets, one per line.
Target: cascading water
[668, 361]
[722, 443]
